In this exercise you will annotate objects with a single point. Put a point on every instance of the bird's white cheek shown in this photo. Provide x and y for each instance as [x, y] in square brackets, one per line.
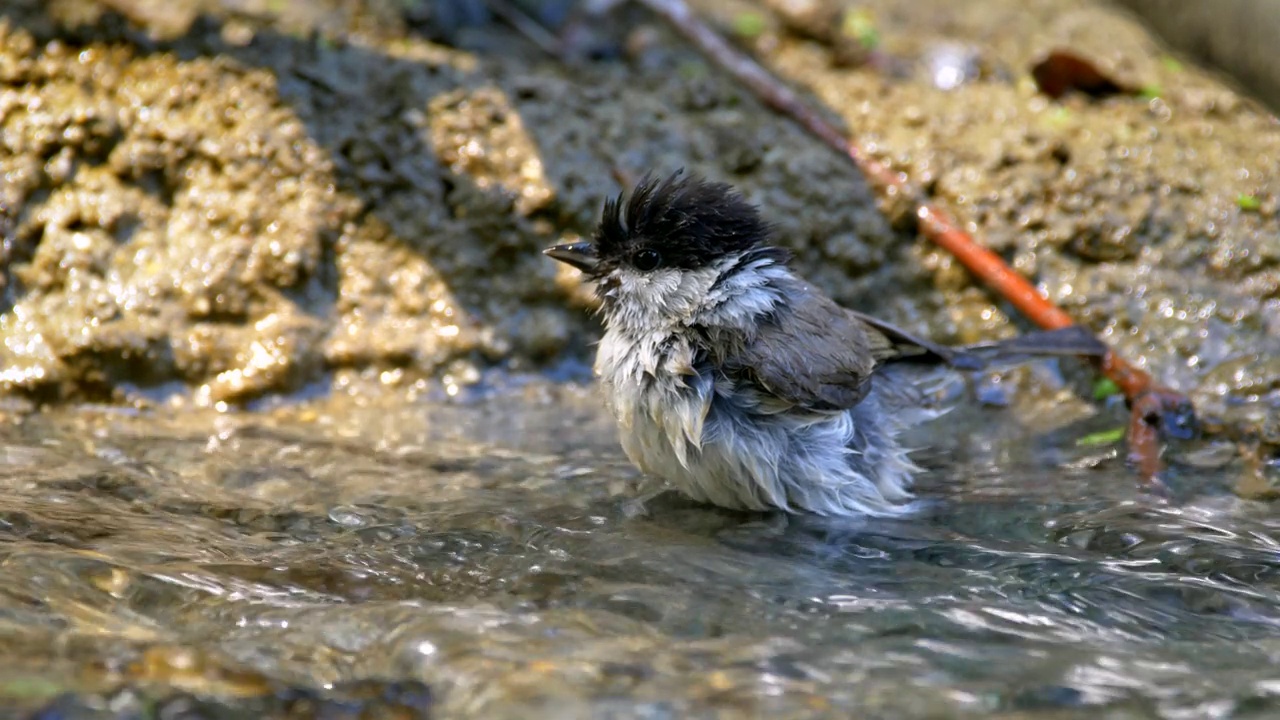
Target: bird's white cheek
[644, 300]
[659, 302]
[648, 287]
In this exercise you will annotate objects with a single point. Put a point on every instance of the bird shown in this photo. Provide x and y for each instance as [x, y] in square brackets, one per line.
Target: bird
[741, 384]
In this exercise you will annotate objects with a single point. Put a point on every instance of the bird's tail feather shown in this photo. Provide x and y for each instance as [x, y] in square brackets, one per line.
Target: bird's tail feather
[1070, 341]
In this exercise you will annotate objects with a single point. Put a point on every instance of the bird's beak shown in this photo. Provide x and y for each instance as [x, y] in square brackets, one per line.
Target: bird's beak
[580, 255]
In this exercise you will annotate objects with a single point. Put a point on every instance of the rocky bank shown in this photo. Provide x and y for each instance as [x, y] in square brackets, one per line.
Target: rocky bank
[231, 200]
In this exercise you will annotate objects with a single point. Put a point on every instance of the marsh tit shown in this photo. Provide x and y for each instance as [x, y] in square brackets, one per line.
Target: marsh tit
[738, 382]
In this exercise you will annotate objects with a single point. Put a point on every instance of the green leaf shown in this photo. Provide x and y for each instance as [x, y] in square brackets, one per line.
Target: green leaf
[1105, 388]
[1104, 437]
[859, 25]
[1060, 116]
[749, 24]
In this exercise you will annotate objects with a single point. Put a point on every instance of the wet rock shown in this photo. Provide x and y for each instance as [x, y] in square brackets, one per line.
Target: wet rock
[293, 192]
[406, 700]
[171, 195]
[244, 217]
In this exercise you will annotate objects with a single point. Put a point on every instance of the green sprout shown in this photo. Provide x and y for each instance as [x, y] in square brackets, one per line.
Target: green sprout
[1105, 388]
[1103, 437]
[1150, 91]
[859, 25]
[1248, 203]
[749, 24]
[1059, 116]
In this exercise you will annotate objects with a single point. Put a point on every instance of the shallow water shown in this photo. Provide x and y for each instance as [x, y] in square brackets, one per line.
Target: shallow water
[500, 559]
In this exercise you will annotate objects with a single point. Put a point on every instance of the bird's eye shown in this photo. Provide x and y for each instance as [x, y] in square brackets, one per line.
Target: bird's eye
[646, 260]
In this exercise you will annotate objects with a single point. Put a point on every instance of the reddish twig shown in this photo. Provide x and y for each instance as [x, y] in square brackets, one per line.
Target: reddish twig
[1154, 407]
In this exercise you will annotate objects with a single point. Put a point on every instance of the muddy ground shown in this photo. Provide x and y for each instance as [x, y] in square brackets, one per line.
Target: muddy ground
[234, 200]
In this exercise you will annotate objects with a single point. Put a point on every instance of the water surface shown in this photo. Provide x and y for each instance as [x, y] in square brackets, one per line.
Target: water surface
[501, 559]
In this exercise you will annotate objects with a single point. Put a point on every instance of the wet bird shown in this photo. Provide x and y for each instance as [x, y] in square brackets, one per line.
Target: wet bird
[741, 384]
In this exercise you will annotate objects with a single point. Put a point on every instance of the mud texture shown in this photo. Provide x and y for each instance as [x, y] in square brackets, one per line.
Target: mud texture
[245, 198]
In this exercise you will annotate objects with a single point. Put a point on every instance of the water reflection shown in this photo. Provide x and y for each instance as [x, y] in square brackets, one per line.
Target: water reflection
[501, 559]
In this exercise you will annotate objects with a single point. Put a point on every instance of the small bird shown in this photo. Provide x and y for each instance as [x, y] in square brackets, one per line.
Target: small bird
[739, 383]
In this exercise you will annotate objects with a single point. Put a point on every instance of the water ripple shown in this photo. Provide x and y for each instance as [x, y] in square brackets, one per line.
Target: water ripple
[237, 558]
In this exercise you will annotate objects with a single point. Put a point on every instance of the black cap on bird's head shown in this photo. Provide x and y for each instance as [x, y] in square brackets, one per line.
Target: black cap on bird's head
[683, 222]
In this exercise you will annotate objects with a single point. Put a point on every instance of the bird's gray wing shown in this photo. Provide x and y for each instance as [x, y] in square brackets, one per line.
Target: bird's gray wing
[813, 355]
